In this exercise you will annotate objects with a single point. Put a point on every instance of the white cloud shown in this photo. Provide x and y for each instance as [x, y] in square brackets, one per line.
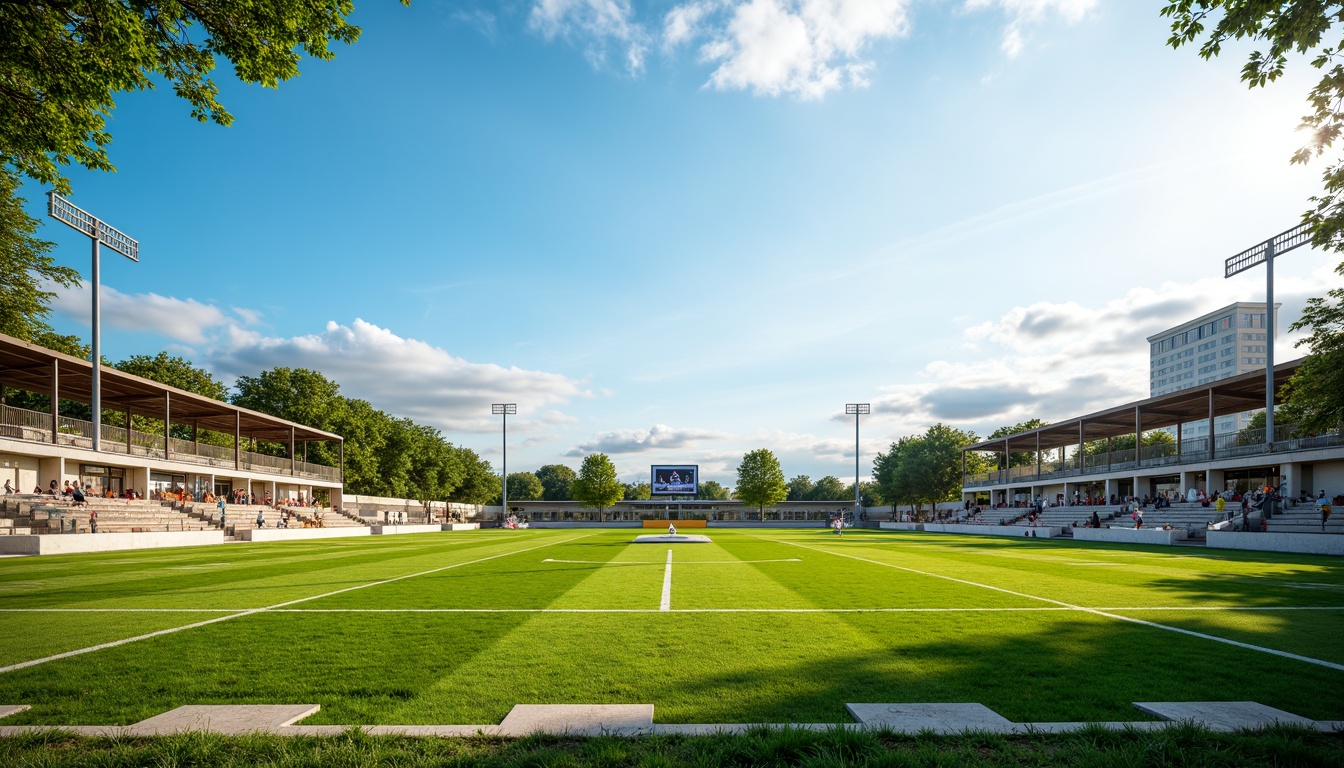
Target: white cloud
[803, 48]
[180, 319]
[659, 436]
[1061, 359]
[1023, 12]
[600, 23]
[405, 377]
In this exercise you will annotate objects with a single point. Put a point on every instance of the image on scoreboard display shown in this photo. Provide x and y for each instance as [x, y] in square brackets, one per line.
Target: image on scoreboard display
[674, 479]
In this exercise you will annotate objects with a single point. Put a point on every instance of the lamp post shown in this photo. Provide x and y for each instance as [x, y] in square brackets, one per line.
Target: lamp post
[505, 410]
[1266, 252]
[100, 233]
[858, 409]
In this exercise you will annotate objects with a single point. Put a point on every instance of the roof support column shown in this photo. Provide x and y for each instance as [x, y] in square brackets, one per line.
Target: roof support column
[55, 401]
[1007, 461]
[293, 460]
[196, 438]
[237, 440]
[1082, 456]
[1211, 424]
[1178, 442]
[1138, 437]
[1038, 454]
[128, 430]
[1108, 454]
[340, 444]
[167, 424]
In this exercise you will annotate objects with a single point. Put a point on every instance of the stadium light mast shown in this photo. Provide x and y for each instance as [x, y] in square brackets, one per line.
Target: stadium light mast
[858, 409]
[100, 233]
[506, 410]
[1266, 252]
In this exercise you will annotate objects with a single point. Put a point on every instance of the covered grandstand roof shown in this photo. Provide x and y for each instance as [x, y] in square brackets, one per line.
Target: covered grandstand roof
[1236, 394]
[30, 367]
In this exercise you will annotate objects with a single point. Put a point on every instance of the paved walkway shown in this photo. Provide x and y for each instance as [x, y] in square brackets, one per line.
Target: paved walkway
[637, 720]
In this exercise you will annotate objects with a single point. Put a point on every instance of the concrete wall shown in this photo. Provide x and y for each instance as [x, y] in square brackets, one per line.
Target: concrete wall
[1130, 535]
[901, 526]
[389, 530]
[768, 524]
[298, 534]
[1303, 543]
[105, 542]
[1328, 477]
[584, 524]
[1015, 531]
[461, 526]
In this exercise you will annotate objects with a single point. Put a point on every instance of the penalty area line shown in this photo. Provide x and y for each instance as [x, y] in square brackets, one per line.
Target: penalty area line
[1016, 609]
[277, 606]
[1083, 609]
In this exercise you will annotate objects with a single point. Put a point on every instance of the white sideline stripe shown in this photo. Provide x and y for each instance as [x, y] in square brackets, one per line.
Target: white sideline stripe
[249, 612]
[666, 604]
[1094, 611]
[685, 610]
[684, 562]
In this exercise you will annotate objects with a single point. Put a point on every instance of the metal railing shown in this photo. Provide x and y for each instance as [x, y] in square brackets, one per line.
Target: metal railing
[35, 426]
[1193, 451]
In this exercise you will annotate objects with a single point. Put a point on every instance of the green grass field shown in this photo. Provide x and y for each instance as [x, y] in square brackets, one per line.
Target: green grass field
[763, 626]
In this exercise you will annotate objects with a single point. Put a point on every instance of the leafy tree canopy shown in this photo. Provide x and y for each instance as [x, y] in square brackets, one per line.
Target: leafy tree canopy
[62, 63]
[175, 372]
[524, 486]
[556, 480]
[596, 485]
[713, 491]
[799, 488]
[1278, 30]
[760, 480]
[637, 491]
[924, 469]
[829, 488]
[26, 268]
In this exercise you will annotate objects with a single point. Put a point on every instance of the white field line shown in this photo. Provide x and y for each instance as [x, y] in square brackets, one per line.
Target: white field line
[1094, 611]
[681, 562]
[251, 611]
[1018, 609]
[666, 604]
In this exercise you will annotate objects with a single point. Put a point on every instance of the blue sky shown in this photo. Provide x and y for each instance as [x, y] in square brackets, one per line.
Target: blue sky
[677, 231]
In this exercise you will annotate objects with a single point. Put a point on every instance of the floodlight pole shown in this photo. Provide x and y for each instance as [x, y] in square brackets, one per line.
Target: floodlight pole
[99, 232]
[1266, 252]
[504, 409]
[857, 409]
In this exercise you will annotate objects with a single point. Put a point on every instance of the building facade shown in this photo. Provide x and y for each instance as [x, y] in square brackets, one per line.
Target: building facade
[1221, 344]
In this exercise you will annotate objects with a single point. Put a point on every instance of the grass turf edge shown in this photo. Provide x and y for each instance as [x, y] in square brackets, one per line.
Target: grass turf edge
[1182, 744]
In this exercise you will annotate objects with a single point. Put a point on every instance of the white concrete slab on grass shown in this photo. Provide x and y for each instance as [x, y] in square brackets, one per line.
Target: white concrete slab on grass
[576, 719]
[72, 543]
[460, 526]
[224, 718]
[301, 534]
[1222, 715]
[680, 538]
[388, 530]
[938, 718]
[1303, 543]
[11, 709]
[1131, 535]
[1015, 531]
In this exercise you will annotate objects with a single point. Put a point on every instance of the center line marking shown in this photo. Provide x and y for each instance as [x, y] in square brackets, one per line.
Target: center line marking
[666, 604]
[286, 604]
[1094, 611]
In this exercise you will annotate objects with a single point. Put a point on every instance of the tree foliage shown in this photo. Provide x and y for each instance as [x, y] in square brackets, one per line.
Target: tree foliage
[637, 492]
[524, 486]
[596, 485]
[1022, 458]
[27, 269]
[713, 491]
[1302, 27]
[1315, 393]
[924, 469]
[556, 480]
[175, 372]
[829, 488]
[62, 64]
[760, 480]
[799, 488]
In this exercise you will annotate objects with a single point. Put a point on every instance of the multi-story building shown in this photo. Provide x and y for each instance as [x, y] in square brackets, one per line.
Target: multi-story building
[1224, 343]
